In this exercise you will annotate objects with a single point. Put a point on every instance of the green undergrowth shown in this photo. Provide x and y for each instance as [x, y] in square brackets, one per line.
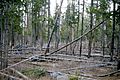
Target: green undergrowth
[35, 72]
[73, 77]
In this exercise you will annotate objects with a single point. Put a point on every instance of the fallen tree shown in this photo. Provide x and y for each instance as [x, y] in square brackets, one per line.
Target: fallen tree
[75, 39]
[57, 49]
[9, 76]
[108, 74]
[20, 74]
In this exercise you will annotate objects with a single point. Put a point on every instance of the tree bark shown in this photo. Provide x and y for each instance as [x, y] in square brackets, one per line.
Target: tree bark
[113, 33]
[91, 24]
[48, 22]
[82, 28]
[1, 40]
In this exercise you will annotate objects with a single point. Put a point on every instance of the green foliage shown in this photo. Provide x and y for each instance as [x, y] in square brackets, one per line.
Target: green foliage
[101, 11]
[118, 15]
[13, 13]
[64, 33]
[37, 5]
[36, 72]
[71, 15]
[73, 77]
[77, 72]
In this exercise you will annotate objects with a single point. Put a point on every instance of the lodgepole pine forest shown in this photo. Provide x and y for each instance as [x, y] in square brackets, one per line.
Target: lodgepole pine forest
[59, 39]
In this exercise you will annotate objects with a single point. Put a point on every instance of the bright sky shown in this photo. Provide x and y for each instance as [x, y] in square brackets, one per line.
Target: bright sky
[64, 5]
[53, 5]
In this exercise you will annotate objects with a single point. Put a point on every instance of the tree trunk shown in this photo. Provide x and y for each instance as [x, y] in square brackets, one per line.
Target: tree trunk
[6, 42]
[48, 22]
[91, 24]
[33, 25]
[113, 32]
[82, 28]
[118, 51]
[103, 39]
[1, 41]
[12, 34]
[57, 32]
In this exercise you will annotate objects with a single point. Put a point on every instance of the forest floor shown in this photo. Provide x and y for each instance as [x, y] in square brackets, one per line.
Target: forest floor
[62, 65]
[85, 68]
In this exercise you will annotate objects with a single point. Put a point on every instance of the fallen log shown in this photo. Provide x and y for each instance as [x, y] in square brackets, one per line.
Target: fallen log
[74, 40]
[19, 73]
[82, 67]
[57, 49]
[109, 74]
[12, 77]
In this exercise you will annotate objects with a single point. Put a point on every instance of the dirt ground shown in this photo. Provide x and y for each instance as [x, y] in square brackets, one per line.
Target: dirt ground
[71, 68]
[86, 69]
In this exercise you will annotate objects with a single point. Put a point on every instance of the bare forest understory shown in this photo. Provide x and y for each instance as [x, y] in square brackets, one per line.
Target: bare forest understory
[59, 40]
[61, 65]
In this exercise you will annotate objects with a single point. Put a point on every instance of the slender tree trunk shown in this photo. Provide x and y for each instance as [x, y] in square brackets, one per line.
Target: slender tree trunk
[57, 38]
[78, 24]
[82, 28]
[103, 39]
[91, 24]
[73, 45]
[33, 25]
[48, 22]
[43, 25]
[27, 15]
[118, 54]
[1, 40]
[118, 43]
[57, 35]
[6, 41]
[12, 35]
[113, 32]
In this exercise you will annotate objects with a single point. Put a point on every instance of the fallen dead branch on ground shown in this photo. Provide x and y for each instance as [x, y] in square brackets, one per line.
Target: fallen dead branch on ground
[20, 74]
[10, 76]
[108, 74]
